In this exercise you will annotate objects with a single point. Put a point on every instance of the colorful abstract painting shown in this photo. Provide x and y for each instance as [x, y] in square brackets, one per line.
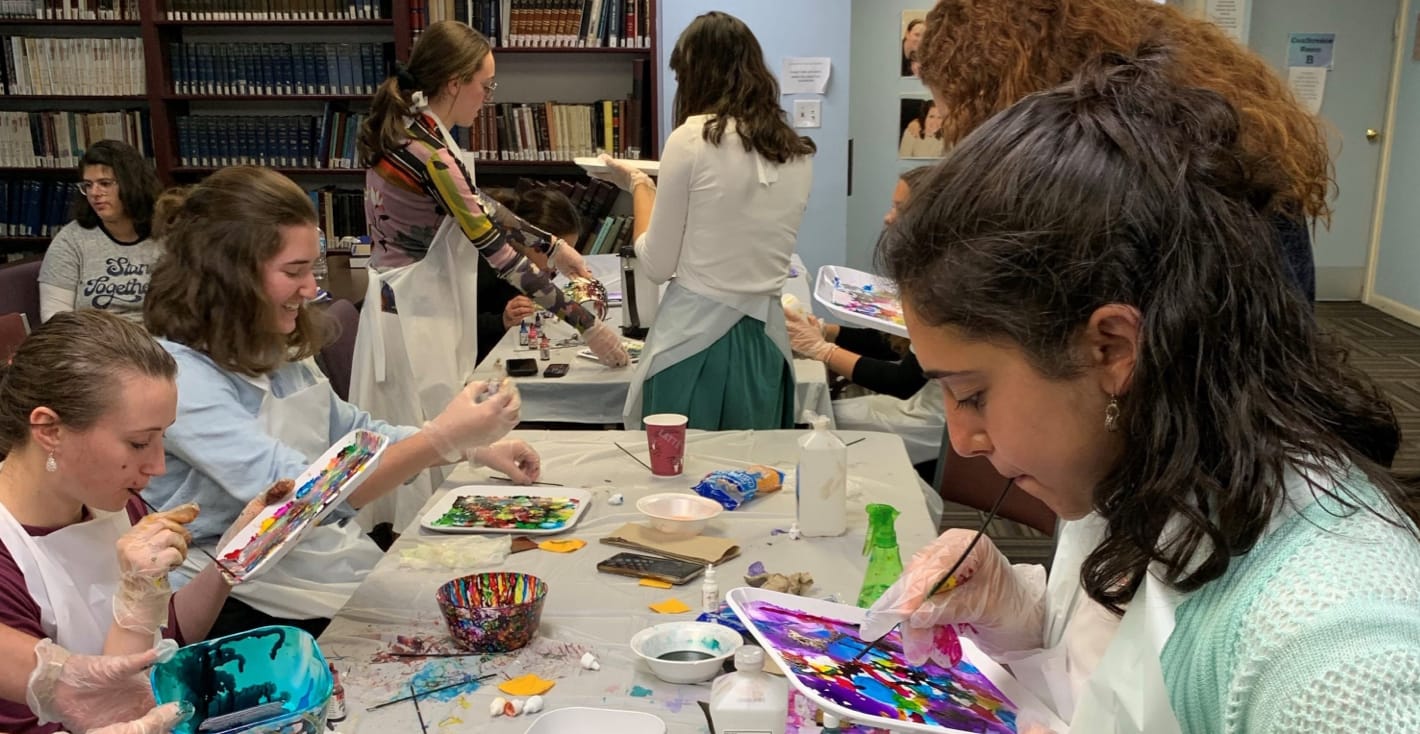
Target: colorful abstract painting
[819, 652]
[866, 300]
[510, 512]
[310, 500]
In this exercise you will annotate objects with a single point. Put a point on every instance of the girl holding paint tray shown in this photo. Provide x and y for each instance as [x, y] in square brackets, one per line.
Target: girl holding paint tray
[229, 302]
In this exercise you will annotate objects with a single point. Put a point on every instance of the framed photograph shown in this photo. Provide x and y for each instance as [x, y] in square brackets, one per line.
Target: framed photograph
[919, 129]
[913, 24]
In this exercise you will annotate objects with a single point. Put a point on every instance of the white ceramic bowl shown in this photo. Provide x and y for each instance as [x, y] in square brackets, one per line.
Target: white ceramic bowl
[677, 514]
[661, 646]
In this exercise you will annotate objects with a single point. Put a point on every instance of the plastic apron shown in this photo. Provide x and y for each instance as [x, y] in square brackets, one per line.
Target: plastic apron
[316, 576]
[409, 365]
[72, 575]
[919, 420]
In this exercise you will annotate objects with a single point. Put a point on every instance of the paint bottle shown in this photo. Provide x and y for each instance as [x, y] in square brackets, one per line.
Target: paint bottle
[749, 700]
[831, 724]
[821, 483]
[543, 348]
[709, 591]
[884, 559]
[523, 334]
[335, 710]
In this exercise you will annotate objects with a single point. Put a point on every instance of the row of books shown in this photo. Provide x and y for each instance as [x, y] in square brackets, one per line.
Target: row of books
[554, 131]
[293, 141]
[34, 208]
[545, 23]
[72, 66]
[279, 68]
[70, 9]
[275, 10]
[608, 237]
[58, 138]
[341, 212]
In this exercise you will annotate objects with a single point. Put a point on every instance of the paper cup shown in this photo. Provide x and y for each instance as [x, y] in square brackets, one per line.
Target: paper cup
[665, 438]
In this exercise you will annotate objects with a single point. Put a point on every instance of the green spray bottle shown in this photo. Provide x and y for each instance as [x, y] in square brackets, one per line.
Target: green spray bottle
[880, 546]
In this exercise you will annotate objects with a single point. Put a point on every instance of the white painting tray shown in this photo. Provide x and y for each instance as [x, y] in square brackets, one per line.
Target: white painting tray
[633, 350]
[860, 299]
[284, 536]
[593, 164]
[838, 651]
[580, 720]
[503, 494]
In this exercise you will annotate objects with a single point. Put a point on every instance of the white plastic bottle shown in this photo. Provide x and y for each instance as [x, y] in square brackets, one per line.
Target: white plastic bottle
[821, 482]
[709, 591]
[749, 700]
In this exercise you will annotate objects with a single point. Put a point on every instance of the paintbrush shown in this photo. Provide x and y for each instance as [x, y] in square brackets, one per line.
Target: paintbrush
[220, 565]
[948, 581]
[633, 456]
[417, 712]
[535, 484]
[856, 440]
[428, 691]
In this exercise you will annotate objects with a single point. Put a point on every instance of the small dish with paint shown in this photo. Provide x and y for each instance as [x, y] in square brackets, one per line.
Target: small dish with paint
[686, 652]
[678, 514]
[492, 612]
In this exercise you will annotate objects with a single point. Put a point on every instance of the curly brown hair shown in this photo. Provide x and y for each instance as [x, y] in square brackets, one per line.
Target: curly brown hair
[981, 56]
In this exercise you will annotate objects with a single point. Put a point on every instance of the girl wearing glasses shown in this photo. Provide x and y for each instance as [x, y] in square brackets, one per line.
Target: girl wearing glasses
[103, 258]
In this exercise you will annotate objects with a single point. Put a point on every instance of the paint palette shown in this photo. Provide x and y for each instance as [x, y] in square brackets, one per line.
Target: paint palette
[507, 509]
[633, 350]
[815, 642]
[319, 489]
[860, 298]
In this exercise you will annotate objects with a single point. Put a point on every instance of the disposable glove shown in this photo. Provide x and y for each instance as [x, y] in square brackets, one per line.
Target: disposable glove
[565, 259]
[606, 344]
[511, 456]
[86, 692]
[159, 720]
[146, 553]
[625, 176]
[474, 418]
[806, 337]
[1000, 606]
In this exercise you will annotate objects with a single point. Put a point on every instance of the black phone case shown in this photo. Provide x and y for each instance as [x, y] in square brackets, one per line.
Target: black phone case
[668, 570]
[556, 369]
[522, 367]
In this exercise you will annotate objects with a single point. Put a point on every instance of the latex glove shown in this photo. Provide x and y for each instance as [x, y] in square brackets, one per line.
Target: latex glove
[86, 692]
[806, 337]
[606, 344]
[474, 418]
[146, 553]
[566, 260]
[159, 720]
[1000, 606]
[511, 456]
[625, 176]
[517, 309]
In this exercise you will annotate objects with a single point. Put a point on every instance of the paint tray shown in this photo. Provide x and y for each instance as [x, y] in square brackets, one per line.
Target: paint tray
[319, 489]
[815, 641]
[860, 299]
[270, 679]
[581, 719]
[507, 509]
[633, 347]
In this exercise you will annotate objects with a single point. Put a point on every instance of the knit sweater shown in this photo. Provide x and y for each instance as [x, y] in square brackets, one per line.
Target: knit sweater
[1316, 629]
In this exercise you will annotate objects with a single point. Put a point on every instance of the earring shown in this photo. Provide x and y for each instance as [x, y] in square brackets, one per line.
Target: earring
[50, 465]
[1111, 414]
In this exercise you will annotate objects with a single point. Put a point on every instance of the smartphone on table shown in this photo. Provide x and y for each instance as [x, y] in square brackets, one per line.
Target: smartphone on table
[556, 369]
[635, 565]
[522, 367]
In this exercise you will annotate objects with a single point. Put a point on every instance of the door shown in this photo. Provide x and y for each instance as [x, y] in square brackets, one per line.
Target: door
[1395, 283]
[1355, 102]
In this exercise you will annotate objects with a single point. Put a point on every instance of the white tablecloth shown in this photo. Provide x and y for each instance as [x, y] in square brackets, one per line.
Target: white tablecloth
[591, 393]
[588, 610]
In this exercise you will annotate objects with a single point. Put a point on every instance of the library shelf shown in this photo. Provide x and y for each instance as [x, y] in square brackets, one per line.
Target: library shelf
[283, 22]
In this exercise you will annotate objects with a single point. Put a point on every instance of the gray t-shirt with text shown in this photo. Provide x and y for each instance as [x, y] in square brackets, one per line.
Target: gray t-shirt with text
[101, 272]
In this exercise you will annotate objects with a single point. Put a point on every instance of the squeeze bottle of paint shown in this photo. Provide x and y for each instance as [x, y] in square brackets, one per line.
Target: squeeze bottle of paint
[749, 700]
[821, 482]
[880, 546]
[709, 591]
[523, 334]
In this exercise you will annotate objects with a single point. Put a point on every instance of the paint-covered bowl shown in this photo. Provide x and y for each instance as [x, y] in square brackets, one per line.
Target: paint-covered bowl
[678, 514]
[686, 652]
[492, 612]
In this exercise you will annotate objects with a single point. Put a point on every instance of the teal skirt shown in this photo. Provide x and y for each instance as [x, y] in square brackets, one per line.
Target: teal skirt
[741, 382]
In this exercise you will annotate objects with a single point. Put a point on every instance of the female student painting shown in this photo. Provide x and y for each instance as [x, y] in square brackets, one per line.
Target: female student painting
[1090, 279]
[734, 182]
[229, 302]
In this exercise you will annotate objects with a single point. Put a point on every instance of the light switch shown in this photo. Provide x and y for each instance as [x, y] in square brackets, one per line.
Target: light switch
[808, 113]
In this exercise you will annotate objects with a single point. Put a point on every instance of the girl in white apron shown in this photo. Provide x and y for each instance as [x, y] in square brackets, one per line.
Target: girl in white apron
[229, 302]
[1092, 282]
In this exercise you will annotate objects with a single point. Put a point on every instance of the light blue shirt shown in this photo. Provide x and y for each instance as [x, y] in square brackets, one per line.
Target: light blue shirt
[219, 454]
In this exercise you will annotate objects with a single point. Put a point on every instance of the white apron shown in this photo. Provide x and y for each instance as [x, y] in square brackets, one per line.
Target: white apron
[408, 366]
[72, 575]
[316, 576]
[919, 420]
[688, 323]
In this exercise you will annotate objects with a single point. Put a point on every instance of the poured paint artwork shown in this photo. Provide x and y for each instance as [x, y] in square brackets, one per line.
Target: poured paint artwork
[510, 512]
[866, 300]
[820, 650]
[633, 350]
[320, 488]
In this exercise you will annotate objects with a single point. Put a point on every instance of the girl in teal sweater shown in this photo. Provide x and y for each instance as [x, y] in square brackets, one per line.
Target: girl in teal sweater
[1091, 277]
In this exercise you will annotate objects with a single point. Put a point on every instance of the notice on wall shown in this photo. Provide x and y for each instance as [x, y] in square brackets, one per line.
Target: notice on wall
[805, 74]
[1230, 15]
[1308, 85]
[1310, 49]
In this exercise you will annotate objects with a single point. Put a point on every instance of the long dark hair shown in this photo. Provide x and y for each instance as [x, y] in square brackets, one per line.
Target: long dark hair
[138, 185]
[720, 71]
[1124, 188]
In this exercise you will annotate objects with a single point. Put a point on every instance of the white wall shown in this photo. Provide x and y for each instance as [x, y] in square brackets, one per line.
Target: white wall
[789, 28]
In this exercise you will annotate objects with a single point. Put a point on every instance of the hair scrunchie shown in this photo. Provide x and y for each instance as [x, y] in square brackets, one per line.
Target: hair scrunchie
[407, 82]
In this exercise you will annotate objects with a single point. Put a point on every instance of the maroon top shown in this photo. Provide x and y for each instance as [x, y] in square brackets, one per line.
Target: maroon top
[19, 611]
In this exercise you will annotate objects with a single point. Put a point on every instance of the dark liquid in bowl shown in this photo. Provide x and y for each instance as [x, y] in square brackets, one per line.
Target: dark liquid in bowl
[685, 656]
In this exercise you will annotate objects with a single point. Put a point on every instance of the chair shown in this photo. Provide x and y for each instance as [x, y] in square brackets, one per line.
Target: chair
[337, 357]
[14, 327]
[973, 482]
[19, 290]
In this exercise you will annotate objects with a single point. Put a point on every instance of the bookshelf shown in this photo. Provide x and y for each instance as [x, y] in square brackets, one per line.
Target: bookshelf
[541, 48]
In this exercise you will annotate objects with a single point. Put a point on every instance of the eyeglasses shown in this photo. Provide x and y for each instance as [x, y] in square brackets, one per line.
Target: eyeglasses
[489, 86]
[100, 186]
